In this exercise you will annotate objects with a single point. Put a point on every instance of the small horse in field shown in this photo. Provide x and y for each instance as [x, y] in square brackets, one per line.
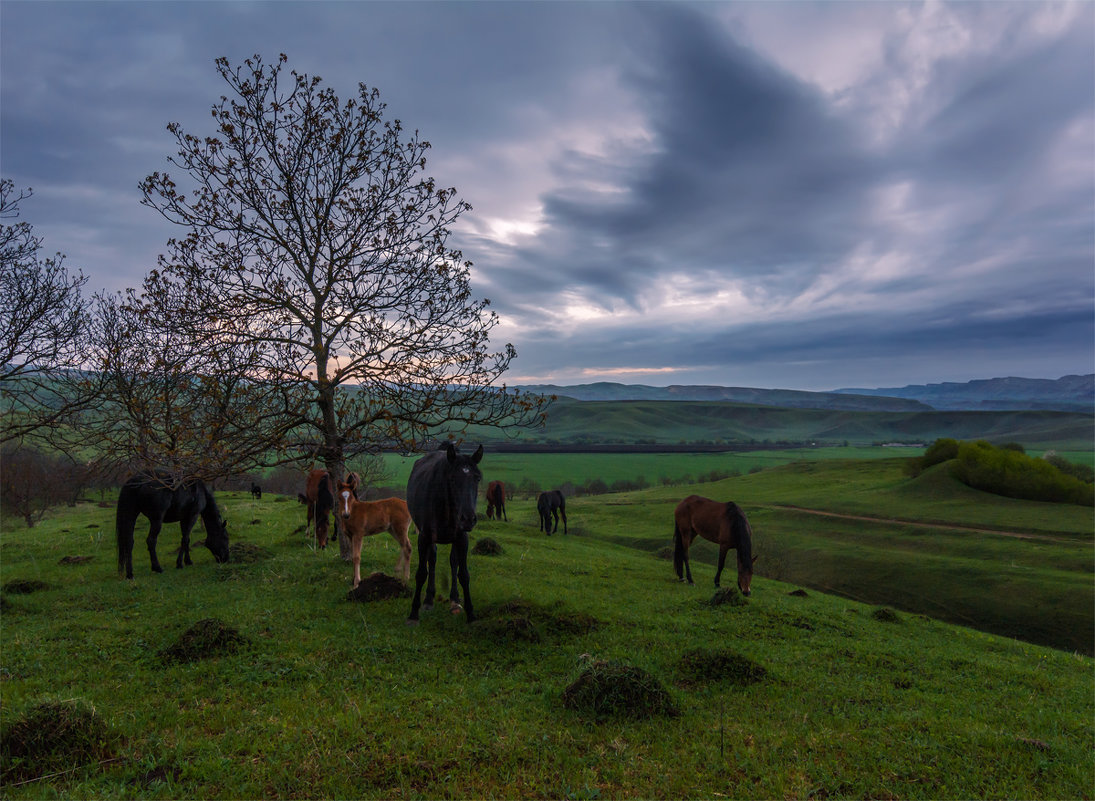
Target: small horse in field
[361, 519]
[725, 525]
[256, 491]
[496, 501]
[441, 494]
[550, 505]
[156, 498]
[319, 495]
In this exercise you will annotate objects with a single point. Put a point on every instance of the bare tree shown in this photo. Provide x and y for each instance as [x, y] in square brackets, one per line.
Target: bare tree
[43, 328]
[312, 221]
[31, 482]
[179, 395]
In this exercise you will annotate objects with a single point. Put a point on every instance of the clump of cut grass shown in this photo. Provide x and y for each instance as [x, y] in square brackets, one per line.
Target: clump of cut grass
[607, 688]
[206, 638]
[487, 547]
[727, 596]
[24, 586]
[885, 615]
[700, 666]
[53, 736]
[378, 587]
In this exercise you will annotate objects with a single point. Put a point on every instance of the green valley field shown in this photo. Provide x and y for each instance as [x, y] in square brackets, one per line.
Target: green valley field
[837, 678]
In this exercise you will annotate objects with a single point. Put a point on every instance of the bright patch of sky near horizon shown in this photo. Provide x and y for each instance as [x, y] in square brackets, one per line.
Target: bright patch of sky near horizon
[804, 195]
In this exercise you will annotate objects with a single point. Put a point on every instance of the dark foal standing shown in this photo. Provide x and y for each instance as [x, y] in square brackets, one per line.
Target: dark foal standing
[319, 495]
[441, 494]
[550, 505]
[725, 525]
[163, 501]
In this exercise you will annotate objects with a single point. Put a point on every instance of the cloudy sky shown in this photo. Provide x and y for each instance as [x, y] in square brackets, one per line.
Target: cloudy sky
[803, 195]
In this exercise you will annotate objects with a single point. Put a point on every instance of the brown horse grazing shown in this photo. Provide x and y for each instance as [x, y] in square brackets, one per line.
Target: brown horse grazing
[496, 501]
[361, 519]
[319, 494]
[724, 524]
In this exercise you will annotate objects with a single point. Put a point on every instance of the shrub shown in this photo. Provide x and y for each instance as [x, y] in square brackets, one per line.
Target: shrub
[1016, 475]
[942, 450]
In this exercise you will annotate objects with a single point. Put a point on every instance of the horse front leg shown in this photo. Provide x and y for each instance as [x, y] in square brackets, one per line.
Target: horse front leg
[150, 541]
[184, 548]
[460, 557]
[723, 550]
[420, 576]
[355, 545]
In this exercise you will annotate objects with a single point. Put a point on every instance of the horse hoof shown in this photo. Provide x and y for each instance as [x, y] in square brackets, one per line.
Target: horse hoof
[411, 622]
[456, 608]
[427, 607]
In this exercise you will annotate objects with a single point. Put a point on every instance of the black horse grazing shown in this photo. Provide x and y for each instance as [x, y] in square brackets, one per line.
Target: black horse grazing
[550, 505]
[155, 498]
[256, 491]
[441, 495]
[496, 501]
[724, 524]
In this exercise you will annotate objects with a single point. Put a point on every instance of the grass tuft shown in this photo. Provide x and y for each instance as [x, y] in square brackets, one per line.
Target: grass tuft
[886, 615]
[53, 736]
[246, 553]
[700, 666]
[487, 547]
[206, 638]
[607, 688]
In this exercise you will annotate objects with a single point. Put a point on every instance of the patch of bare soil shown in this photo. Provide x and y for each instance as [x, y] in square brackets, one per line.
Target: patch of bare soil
[246, 553]
[378, 587]
[74, 560]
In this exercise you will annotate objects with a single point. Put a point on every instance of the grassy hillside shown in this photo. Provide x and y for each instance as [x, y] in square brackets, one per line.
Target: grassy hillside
[784, 695]
[693, 421]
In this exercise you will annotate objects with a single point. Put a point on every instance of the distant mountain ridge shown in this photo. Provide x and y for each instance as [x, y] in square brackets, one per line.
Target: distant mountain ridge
[1071, 393]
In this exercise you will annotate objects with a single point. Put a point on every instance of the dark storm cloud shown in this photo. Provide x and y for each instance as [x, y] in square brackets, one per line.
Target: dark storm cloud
[801, 194]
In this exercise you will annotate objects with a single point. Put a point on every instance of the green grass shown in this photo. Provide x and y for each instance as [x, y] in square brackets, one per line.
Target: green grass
[339, 699]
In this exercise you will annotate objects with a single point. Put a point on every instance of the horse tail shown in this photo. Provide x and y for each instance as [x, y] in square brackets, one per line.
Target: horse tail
[678, 550]
[124, 521]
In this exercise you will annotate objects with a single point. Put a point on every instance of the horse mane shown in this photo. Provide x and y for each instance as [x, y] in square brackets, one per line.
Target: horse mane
[742, 531]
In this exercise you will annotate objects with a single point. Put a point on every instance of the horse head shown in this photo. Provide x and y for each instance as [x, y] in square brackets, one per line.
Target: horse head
[745, 574]
[463, 479]
[347, 495]
[216, 539]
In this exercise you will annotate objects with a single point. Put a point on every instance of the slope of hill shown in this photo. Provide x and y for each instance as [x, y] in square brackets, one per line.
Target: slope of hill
[786, 398]
[1069, 393]
[674, 422]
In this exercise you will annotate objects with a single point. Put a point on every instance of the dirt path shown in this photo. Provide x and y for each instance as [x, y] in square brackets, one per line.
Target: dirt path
[1019, 535]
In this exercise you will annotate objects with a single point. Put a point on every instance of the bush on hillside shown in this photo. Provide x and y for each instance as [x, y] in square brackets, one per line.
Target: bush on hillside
[1016, 475]
[1081, 471]
[1010, 472]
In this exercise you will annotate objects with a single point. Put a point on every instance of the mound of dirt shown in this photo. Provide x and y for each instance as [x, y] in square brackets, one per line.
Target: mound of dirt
[487, 547]
[612, 689]
[245, 553]
[208, 637]
[74, 560]
[378, 587]
[798, 593]
[53, 736]
[708, 666]
[24, 586]
[885, 615]
[727, 596]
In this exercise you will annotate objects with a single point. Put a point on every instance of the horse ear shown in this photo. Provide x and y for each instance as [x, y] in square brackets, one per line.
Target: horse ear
[755, 558]
[450, 451]
[475, 457]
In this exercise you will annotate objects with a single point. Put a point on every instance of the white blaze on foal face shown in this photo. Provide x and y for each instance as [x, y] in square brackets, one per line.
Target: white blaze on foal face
[346, 495]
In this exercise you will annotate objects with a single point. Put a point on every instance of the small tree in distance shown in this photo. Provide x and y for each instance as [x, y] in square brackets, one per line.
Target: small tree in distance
[311, 222]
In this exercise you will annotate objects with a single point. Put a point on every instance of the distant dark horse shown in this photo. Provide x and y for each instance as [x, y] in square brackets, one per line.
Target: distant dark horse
[724, 524]
[155, 498]
[496, 501]
[550, 505]
[256, 491]
[441, 494]
[319, 495]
